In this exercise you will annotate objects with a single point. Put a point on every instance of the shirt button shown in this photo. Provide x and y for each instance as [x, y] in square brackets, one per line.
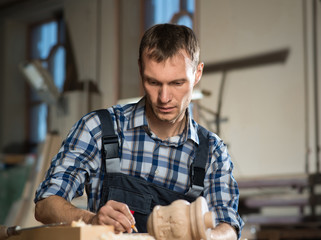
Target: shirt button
[156, 172]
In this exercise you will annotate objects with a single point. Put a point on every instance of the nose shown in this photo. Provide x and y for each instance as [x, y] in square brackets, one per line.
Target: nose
[164, 95]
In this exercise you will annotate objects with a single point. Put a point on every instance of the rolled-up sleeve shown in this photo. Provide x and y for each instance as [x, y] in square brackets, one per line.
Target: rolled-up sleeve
[221, 189]
[77, 159]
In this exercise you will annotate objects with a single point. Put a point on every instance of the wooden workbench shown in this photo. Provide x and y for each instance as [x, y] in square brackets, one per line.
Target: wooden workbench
[87, 232]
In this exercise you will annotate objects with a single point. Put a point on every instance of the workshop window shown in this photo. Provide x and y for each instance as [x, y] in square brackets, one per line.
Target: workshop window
[169, 11]
[46, 46]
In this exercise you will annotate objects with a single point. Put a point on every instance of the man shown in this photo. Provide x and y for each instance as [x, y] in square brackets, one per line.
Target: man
[158, 145]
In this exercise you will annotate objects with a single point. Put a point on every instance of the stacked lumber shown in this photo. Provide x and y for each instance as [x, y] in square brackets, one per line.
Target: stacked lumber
[22, 211]
[280, 205]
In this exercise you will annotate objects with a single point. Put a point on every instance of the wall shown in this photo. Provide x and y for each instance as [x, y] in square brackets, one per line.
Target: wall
[270, 116]
[109, 52]
[14, 88]
[14, 22]
[2, 99]
[105, 37]
[269, 127]
[130, 34]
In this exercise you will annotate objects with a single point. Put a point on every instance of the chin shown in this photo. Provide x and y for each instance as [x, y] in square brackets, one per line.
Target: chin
[168, 119]
[164, 117]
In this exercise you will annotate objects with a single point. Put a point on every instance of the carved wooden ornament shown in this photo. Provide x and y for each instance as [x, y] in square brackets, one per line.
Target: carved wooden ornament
[181, 221]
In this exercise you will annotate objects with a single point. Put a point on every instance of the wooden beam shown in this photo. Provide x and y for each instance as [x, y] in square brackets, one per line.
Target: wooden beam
[278, 56]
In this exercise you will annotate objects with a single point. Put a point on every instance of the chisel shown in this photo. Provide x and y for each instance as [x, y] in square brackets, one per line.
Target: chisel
[6, 232]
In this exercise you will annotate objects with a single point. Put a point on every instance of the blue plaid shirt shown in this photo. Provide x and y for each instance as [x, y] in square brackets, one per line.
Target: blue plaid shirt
[77, 166]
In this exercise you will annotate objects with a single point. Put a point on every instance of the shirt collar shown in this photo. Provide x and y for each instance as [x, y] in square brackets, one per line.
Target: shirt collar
[191, 127]
[138, 116]
[138, 119]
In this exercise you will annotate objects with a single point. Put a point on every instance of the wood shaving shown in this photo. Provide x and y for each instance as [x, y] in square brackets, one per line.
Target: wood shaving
[125, 236]
[79, 223]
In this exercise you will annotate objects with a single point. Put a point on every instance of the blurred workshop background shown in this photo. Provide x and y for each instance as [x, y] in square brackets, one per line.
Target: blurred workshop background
[260, 91]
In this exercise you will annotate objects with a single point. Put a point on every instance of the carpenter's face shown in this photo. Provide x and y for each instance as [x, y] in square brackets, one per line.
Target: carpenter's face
[169, 85]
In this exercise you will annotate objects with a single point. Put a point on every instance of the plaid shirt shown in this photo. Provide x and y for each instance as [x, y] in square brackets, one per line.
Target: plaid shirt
[77, 166]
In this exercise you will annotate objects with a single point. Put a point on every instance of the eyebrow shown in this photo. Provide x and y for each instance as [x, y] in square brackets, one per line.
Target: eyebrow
[154, 79]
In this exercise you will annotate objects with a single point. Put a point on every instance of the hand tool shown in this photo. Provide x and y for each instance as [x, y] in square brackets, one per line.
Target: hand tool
[6, 232]
[133, 226]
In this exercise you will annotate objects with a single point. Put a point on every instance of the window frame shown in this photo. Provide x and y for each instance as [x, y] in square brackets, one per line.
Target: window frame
[30, 103]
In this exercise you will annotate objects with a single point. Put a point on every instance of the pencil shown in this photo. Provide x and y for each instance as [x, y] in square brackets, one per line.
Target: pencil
[134, 228]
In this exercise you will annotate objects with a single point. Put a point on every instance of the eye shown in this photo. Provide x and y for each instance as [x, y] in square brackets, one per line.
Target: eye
[153, 82]
[178, 83]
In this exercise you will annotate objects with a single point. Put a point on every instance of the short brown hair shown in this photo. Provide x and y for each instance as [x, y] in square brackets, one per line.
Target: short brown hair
[163, 41]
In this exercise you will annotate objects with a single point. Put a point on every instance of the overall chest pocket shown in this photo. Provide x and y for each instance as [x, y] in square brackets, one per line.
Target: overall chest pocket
[136, 202]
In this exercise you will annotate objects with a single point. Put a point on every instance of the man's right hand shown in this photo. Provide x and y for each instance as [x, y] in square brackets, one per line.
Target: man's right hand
[116, 214]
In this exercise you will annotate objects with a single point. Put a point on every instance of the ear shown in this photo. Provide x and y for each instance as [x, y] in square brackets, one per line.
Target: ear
[199, 72]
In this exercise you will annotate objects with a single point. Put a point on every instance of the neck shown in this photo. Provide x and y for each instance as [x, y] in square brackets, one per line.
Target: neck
[165, 129]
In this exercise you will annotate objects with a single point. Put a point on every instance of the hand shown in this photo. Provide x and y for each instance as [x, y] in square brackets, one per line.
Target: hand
[116, 214]
[223, 231]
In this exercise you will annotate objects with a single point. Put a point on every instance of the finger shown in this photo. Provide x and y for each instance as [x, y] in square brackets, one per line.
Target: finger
[123, 208]
[121, 214]
[105, 216]
[116, 214]
[118, 227]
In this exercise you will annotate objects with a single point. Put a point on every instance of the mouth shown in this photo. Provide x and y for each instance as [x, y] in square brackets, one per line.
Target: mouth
[165, 109]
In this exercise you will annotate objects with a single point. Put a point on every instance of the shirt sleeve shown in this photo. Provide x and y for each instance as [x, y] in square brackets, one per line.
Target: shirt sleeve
[77, 159]
[221, 189]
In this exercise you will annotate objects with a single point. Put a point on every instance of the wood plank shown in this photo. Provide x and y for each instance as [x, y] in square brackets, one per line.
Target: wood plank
[276, 200]
[293, 180]
[24, 216]
[276, 220]
[64, 233]
[280, 234]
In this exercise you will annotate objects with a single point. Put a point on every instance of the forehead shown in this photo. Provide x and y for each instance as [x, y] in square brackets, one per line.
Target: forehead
[173, 69]
[180, 59]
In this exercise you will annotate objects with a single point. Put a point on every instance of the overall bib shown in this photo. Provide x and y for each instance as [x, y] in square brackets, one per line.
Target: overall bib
[140, 195]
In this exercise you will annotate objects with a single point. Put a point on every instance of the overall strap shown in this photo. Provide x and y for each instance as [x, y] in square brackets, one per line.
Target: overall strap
[197, 169]
[110, 144]
[110, 152]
